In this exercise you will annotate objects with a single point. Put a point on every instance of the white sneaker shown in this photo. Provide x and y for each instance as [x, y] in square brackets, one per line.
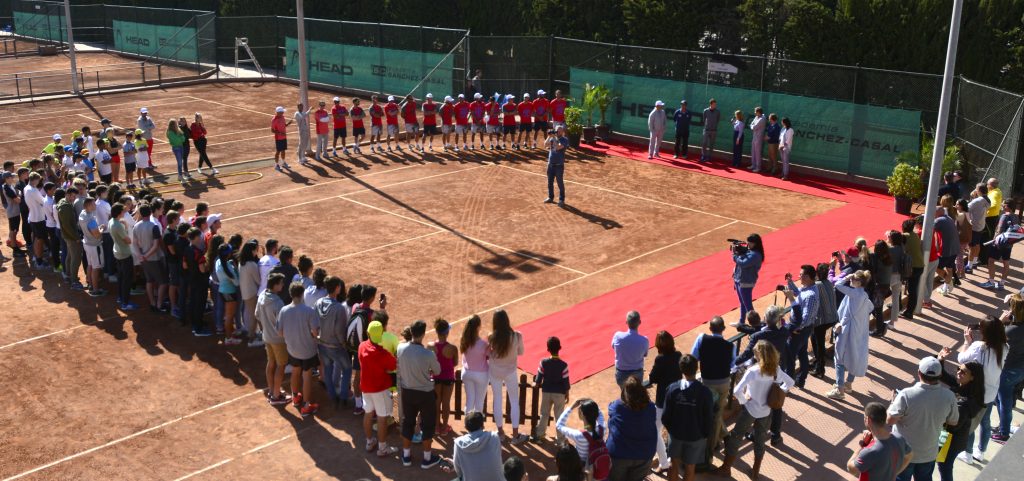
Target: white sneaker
[256, 343]
[836, 393]
[966, 458]
[215, 171]
[978, 455]
[199, 171]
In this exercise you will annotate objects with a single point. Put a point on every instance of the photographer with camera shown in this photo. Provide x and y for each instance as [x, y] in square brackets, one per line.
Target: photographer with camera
[556, 144]
[748, 257]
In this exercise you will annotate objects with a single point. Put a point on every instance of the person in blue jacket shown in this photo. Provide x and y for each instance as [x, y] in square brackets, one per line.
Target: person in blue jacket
[748, 264]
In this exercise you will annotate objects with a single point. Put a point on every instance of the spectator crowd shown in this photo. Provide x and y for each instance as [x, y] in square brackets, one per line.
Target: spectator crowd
[77, 218]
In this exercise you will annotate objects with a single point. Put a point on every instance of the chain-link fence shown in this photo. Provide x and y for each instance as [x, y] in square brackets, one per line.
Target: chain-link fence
[988, 130]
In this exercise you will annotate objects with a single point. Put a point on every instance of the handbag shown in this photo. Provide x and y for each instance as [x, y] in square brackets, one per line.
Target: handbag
[776, 396]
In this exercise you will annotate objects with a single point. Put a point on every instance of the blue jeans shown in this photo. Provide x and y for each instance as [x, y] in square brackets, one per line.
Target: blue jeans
[179, 156]
[555, 173]
[218, 306]
[798, 351]
[337, 371]
[621, 376]
[746, 295]
[840, 370]
[986, 429]
[1008, 380]
[919, 471]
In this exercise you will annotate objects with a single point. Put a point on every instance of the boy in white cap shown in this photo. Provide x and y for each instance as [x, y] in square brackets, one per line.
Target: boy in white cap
[429, 121]
[461, 121]
[146, 125]
[478, 111]
[338, 113]
[51, 147]
[447, 112]
[323, 123]
[494, 120]
[540, 116]
[279, 126]
[391, 118]
[525, 109]
[508, 122]
[412, 124]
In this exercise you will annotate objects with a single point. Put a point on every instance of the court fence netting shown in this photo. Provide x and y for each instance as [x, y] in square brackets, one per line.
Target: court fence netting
[848, 119]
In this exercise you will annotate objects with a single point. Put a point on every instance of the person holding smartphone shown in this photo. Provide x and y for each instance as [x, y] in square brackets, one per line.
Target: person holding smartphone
[882, 454]
[556, 144]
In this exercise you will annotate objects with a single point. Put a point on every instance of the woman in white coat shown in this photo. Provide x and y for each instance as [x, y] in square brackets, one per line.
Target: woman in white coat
[852, 333]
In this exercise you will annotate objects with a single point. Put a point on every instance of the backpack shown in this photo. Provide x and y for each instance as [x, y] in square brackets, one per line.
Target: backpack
[356, 331]
[598, 458]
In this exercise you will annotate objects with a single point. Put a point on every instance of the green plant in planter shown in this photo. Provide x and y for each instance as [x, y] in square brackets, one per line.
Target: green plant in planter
[574, 121]
[952, 158]
[905, 181]
[597, 97]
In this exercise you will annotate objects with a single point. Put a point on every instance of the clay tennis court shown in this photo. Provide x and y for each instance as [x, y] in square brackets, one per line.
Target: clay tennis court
[93, 393]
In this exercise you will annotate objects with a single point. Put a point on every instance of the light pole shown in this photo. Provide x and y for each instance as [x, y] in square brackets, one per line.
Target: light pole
[71, 48]
[300, 19]
[935, 174]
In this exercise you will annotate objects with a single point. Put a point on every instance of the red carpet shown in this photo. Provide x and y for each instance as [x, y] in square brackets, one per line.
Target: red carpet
[685, 297]
[827, 188]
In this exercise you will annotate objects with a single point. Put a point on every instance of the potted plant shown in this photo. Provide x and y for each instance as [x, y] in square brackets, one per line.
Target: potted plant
[574, 125]
[602, 98]
[589, 105]
[905, 185]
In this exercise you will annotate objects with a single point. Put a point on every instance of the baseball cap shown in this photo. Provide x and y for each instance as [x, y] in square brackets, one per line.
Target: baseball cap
[510, 96]
[430, 96]
[526, 95]
[930, 367]
[7, 175]
[212, 218]
[659, 103]
[853, 251]
[139, 132]
[143, 110]
[56, 137]
[84, 152]
[376, 331]
[67, 148]
[104, 121]
[478, 95]
[682, 102]
[76, 134]
[279, 110]
[337, 99]
[461, 96]
[448, 98]
[541, 92]
[391, 98]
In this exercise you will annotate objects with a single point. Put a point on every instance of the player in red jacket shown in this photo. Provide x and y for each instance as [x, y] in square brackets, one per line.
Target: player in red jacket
[391, 117]
[358, 127]
[540, 116]
[376, 123]
[412, 124]
[429, 122]
[447, 113]
[478, 111]
[494, 121]
[525, 109]
[339, 113]
[508, 122]
[461, 122]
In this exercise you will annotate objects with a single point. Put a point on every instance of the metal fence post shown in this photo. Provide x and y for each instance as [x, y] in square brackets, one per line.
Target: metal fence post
[551, 63]
[764, 62]
[856, 74]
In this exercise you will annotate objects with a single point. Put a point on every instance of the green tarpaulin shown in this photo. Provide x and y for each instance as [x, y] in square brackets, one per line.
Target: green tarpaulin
[839, 136]
[38, 25]
[160, 41]
[372, 69]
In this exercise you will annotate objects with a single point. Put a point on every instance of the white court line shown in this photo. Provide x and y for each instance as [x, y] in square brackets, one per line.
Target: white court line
[342, 196]
[128, 437]
[624, 194]
[251, 451]
[329, 182]
[472, 239]
[44, 336]
[231, 106]
[57, 113]
[385, 246]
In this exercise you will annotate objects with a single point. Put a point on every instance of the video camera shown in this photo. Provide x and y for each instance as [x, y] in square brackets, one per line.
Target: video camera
[738, 247]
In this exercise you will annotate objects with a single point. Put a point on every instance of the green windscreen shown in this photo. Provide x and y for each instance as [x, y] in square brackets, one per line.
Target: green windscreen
[38, 25]
[160, 41]
[372, 69]
[829, 134]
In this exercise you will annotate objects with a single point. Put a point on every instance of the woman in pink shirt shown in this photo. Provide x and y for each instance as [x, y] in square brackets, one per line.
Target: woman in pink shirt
[474, 365]
[444, 381]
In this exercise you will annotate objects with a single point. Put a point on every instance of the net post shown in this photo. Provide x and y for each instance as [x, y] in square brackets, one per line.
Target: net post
[71, 48]
[300, 21]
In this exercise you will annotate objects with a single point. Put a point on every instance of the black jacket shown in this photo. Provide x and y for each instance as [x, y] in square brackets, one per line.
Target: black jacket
[688, 412]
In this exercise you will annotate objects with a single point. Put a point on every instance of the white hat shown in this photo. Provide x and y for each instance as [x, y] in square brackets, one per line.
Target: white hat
[391, 98]
[337, 99]
[279, 110]
[526, 95]
[930, 366]
[56, 137]
[448, 98]
[430, 96]
[461, 96]
[659, 103]
[143, 110]
[478, 95]
[541, 92]
[510, 96]
[213, 218]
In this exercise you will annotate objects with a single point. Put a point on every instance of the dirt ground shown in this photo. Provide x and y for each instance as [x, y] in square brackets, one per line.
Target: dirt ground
[93, 393]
